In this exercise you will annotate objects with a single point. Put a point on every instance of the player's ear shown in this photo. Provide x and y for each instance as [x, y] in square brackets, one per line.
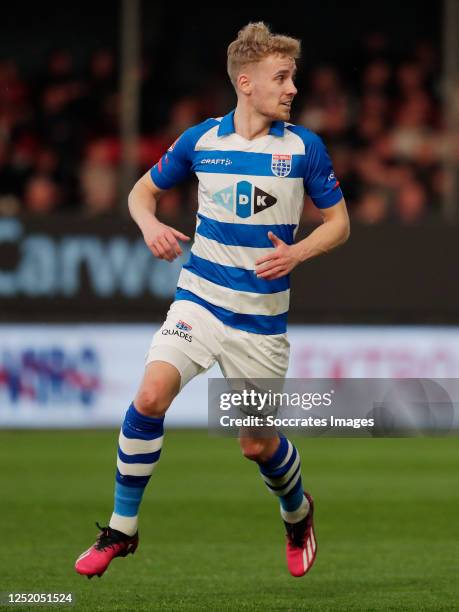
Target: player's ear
[244, 83]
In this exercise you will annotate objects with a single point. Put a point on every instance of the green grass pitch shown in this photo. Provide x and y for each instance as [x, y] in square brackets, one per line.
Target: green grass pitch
[387, 523]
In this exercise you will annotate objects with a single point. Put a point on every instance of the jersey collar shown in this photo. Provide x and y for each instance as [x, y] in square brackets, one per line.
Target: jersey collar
[226, 126]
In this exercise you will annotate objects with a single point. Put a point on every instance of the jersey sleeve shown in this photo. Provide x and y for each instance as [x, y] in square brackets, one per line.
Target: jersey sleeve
[175, 165]
[320, 182]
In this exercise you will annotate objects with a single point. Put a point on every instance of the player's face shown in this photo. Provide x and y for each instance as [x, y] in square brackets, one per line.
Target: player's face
[273, 88]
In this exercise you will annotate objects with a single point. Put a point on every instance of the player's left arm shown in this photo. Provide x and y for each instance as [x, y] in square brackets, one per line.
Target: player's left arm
[333, 232]
[322, 187]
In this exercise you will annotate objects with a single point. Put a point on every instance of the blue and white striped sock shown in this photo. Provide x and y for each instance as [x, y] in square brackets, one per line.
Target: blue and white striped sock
[282, 475]
[139, 449]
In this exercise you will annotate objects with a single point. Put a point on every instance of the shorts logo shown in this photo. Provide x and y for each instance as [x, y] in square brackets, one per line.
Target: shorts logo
[183, 326]
[244, 199]
[176, 332]
[281, 165]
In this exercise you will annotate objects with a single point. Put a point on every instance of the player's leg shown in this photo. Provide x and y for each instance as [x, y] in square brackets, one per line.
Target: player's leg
[277, 458]
[175, 357]
[280, 467]
[139, 450]
[141, 437]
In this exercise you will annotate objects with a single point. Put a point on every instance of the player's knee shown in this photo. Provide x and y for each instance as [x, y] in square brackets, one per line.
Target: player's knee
[153, 401]
[255, 450]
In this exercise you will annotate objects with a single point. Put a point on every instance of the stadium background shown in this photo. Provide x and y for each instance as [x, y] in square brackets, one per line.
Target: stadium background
[80, 297]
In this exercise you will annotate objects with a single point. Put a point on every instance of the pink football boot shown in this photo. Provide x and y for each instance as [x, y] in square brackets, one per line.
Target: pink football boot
[301, 543]
[110, 544]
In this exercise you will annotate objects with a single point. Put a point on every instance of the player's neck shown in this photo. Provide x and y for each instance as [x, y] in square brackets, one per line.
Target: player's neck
[249, 124]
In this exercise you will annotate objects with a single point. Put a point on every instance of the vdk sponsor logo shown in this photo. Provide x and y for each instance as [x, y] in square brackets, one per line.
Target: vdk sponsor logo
[244, 199]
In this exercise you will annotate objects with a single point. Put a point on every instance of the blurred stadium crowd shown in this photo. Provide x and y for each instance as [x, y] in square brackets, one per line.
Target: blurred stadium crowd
[380, 118]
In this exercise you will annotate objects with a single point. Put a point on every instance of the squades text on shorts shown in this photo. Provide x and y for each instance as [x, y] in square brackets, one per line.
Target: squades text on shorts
[176, 332]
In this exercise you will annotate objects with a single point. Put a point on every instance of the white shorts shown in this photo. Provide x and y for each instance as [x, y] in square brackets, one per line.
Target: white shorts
[192, 339]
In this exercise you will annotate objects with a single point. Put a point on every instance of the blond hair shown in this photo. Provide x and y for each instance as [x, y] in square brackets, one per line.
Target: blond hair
[255, 42]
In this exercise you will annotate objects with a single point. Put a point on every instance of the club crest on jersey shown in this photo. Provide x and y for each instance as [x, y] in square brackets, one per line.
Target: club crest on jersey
[281, 164]
[183, 326]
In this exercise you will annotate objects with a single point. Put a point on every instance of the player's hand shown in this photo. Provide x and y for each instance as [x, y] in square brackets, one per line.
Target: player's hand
[278, 263]
[162, 240]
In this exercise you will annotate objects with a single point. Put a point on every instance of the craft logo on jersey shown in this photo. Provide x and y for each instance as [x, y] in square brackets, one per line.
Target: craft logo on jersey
[244, 198]
[281, 164]
[183, 326]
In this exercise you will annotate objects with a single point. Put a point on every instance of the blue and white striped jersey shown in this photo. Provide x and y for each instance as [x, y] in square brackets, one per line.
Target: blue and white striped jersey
[246, 189]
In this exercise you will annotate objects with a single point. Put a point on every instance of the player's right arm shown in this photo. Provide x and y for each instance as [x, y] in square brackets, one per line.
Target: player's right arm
[173, 167]
[161, 239]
